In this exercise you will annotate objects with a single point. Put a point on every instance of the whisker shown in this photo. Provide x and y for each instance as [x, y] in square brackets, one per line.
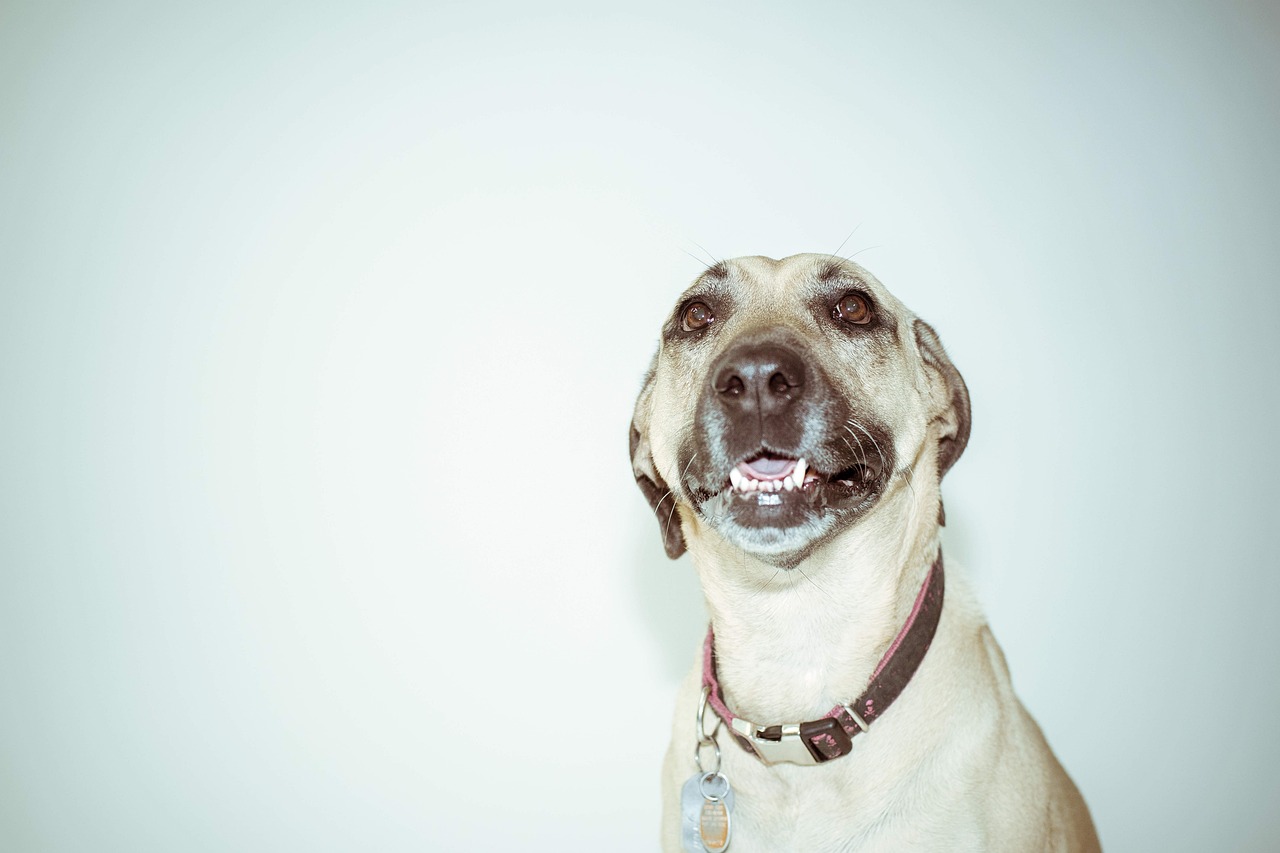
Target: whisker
[910, 485]
[864, 249]
[714, 260]
[674, 504]
[883, 463]
[763, 585]
[850, 446]
[862, 451]
[815, 585]
[836, 253]
[695, 257]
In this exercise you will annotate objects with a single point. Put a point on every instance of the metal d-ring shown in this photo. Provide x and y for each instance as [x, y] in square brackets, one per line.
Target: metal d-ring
[705, 739]
[697, 757]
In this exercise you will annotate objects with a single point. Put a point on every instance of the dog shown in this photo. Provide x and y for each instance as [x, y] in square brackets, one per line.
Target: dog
[791, 434]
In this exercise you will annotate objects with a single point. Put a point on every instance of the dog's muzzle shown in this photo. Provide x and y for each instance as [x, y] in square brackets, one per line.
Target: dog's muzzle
[778, 453]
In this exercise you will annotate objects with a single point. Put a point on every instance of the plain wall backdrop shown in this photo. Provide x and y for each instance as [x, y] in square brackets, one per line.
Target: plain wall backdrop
[320, 327]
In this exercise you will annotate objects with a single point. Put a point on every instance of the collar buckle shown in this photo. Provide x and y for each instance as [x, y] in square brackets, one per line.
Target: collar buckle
[793, 743]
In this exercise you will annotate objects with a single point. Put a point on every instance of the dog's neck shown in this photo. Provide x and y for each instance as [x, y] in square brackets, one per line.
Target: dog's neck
[791, 644]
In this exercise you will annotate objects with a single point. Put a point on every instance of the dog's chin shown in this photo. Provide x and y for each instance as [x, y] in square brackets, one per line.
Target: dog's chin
[783, 528]
[784, 547]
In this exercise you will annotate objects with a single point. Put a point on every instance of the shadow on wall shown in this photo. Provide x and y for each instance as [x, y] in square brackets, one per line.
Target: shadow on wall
[669, 596]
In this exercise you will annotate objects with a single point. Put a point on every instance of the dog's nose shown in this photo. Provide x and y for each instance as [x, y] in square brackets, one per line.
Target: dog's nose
[761, 379]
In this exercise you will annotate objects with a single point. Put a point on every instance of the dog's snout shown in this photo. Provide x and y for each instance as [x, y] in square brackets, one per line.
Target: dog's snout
[759, 379]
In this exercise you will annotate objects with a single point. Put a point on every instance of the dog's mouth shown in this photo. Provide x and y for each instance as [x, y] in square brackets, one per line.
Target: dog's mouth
[769, 479]
[779, 506]
[766, 473]
[764, 476]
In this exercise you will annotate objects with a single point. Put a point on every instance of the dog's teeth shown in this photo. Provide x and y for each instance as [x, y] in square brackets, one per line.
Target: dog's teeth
[735, 478]
[748, 484]
[788, 483]
[798, 473]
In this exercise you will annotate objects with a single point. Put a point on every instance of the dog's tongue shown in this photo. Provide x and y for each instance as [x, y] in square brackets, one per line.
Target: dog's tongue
[767, 468]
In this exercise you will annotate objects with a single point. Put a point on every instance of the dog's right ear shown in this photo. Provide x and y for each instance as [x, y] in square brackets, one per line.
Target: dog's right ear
[655, 489]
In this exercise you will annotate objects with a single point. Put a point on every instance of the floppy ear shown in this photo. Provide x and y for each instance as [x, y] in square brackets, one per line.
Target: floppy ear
[955, 431]
[655, 489]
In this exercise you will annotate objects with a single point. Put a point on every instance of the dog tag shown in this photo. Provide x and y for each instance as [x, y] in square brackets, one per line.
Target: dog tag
[713, 828]
[706, 803]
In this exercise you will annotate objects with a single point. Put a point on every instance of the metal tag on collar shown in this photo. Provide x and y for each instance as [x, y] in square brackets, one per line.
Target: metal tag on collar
[706, 809]
[793, 743]
[706, 800]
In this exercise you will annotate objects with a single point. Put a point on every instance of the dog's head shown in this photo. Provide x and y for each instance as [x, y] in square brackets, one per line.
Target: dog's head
[785, 400]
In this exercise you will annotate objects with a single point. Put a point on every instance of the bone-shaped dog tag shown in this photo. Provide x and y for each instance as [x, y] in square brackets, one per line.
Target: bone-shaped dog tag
[706, 806]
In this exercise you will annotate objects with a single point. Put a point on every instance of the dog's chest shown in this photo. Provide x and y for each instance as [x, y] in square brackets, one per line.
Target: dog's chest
[863, 802]
[809, 808]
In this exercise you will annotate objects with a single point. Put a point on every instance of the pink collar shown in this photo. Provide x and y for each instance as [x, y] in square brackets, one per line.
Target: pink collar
[819, 741]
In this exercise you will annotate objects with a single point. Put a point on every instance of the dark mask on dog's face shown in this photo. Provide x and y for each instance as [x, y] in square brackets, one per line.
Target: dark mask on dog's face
[785, 400]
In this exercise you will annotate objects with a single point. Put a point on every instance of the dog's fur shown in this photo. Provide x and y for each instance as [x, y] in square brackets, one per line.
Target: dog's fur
[804, 609]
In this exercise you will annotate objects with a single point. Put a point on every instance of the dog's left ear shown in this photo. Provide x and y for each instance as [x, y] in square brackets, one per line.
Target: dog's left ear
[955, 418]
[660, 497]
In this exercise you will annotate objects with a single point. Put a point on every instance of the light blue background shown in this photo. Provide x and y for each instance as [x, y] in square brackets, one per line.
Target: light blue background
[320, 327]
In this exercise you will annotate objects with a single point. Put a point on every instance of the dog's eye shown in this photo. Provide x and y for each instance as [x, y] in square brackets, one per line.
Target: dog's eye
[853, 308]
[697, 316]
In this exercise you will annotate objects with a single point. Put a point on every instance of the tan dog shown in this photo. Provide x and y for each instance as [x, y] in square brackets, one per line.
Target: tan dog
[792, 434]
